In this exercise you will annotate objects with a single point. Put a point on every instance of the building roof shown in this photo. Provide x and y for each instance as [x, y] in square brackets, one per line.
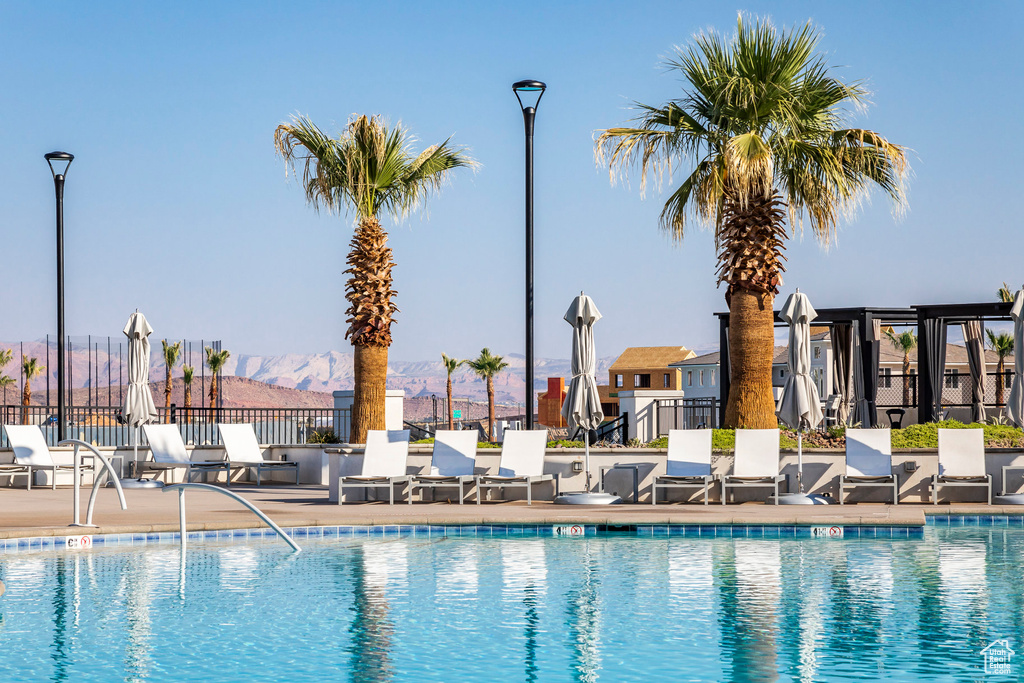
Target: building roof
[637, 357]
[712, 358]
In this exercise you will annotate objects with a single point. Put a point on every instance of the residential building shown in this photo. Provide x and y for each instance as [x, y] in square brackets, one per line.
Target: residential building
[549, 403]
[643, 367]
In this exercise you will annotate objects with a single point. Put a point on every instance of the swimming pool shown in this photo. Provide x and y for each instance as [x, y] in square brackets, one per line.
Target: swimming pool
[444, 608]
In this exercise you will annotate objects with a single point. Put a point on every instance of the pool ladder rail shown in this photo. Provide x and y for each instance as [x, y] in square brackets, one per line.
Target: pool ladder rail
[180, 488]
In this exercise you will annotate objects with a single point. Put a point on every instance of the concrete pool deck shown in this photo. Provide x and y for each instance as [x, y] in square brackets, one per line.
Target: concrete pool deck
[45, 512]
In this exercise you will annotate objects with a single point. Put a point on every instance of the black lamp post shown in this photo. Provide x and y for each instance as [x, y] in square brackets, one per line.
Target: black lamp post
[59, 163]
[529, 89]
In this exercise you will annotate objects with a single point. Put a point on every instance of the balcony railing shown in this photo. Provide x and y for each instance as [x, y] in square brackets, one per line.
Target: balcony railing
[104, 426]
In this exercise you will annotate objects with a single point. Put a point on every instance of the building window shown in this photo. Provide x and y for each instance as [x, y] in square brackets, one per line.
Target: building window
[668, 382]
[817, 352]
[952, 379]
[618, 381]
[689, 378]
[702, 378]
[641, 381]
[885, 378]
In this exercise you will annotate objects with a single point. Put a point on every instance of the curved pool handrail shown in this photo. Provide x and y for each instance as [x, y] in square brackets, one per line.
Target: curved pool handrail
[180, 488]
[114, 477]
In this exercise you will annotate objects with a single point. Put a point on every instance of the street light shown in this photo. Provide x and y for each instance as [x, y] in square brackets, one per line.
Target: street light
[59, 163]
[529, 89]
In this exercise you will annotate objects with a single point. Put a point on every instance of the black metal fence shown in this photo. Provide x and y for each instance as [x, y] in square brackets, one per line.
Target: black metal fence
[104, 426]
[685, 413]
[615, 430]
[900, 391]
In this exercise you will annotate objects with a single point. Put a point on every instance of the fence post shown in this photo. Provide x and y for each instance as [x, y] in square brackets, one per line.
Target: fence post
[174, 413]
[625, 427]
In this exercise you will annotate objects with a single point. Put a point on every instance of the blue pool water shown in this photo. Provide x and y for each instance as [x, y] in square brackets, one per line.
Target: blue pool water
[611, 608]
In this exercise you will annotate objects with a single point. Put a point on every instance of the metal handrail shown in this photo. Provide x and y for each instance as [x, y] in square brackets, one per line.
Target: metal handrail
[95, 481]
[180, 488]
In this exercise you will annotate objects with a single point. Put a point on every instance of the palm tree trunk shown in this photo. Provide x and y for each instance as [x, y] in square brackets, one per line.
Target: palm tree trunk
[167, 395]
[906, 379]
[490, 409]
[751, 346]
[26, 398]
[1000, 369]
[451, 418]
[371, 374]
[213, 394]
[188, 400]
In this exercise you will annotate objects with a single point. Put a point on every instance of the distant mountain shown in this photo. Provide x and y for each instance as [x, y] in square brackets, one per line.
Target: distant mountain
[322, 372]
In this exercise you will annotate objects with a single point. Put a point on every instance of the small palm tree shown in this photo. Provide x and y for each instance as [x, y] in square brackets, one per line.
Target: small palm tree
[762, 128]
[188, 373]
[369, 169]
[172, 352]
[487, 366]
[905, 342]
[5, 382]
[6, 356]
[1006, 294]
[215, 360]
[451, 365]
[32, 369]
[1002, 344]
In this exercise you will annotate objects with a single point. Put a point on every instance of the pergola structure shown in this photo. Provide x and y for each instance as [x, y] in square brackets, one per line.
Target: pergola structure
[932, 320]
[864, 343]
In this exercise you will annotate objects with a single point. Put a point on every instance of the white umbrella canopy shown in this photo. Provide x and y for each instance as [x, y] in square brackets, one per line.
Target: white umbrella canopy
[138, 408]
[801, 404]
[1015, 403]
[582, 405]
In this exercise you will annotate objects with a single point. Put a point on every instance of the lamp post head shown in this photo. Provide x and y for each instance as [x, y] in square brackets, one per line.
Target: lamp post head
[529, 89]
[59, 162]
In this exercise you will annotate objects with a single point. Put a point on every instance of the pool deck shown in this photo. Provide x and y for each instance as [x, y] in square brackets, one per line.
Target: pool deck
[44, 512]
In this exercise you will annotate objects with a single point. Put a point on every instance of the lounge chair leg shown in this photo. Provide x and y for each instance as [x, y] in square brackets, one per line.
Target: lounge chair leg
[29, 478]
[53, 479]
[529, 494]
[776, 492]
[725, 492]
[706, 487]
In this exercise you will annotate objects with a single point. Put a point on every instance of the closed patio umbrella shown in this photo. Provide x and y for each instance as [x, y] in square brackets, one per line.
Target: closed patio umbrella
[582, 405]
[801, 405]
[1015, 403]
[138, 408]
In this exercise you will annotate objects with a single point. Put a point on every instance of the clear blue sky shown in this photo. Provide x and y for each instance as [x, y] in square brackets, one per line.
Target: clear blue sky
[170, 109]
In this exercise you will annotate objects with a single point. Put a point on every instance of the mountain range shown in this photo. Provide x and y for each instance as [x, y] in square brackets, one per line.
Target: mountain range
[321, 372]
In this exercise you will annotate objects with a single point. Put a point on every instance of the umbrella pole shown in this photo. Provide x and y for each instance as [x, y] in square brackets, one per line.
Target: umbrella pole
[800, 460]
[586, 456]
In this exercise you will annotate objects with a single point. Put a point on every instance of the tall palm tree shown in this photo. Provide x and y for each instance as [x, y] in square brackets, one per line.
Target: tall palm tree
[1005, 294]
[905, 342]
[32, 369]
[451, 365]
[1002, 344]
[487, 366]
[215, 360]
[171, 352]
[188, 373]
[762, 128]
[369, 169]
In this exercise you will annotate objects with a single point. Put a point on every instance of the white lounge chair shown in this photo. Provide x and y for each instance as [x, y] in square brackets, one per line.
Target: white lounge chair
[244, 452]
[961, 461]
[452, 463]
[522, 464]
[31, 454]
[868, 462]
[756, 462]
[385, 459]
[689, 463]
[169, 452]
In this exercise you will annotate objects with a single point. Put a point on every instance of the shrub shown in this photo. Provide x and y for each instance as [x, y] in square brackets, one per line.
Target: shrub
[325, 435]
